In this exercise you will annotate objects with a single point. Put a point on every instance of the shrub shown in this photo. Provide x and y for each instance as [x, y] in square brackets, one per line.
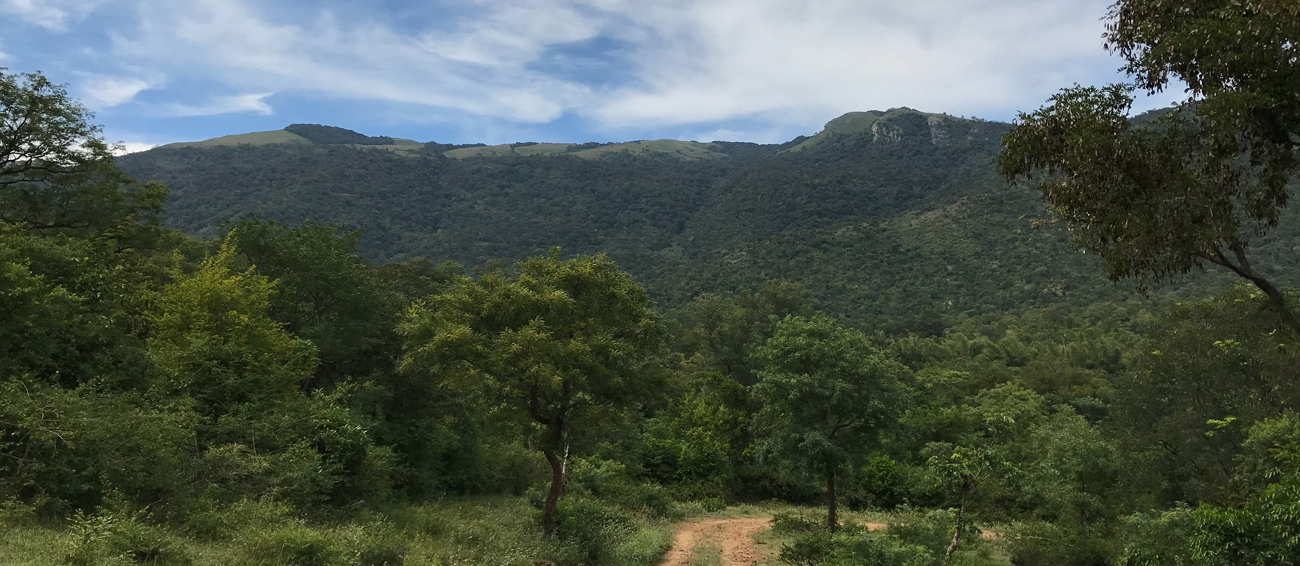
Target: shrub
[713, 504]
[785, 523]
[647, 498]
[809, 548]
[374, 544]
[1161, 540]
[591, 530]
[644, 548]
[117, 536]
[875, 549]
[293, 545]
[1049, 544]
[882, 485]
[932, 531]
[209, 520]
[853, 547]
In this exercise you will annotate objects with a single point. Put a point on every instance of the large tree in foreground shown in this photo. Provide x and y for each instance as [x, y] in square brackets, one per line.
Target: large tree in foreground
[57, 174]
[1158, 196]
[556, 346]
[827, 394]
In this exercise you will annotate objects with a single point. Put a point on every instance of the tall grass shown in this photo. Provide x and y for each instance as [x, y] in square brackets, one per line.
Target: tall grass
[483, 531]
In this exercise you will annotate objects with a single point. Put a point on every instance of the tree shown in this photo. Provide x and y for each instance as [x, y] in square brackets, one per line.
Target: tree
[1159, 195]
[212, 340]
[827, 395]
[56, 172]
[44, 134]
[728, 330]
[78, 243]
[962, 470]
[326, 293]
[556, 344]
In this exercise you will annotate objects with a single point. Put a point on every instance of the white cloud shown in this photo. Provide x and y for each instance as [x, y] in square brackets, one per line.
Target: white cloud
[784, 63]
[99, 92]
[746, 57]
[244, 103]
[124, 148]
[478, 68]
[50, 14]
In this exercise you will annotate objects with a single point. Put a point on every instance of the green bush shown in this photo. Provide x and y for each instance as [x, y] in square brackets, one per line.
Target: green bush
[646, 498]
[118, 536]
[294, 545]
[786, 523]
[713, 504]
[852, 546]
[646, 547]
[880, 484]
[1055, 544]
[877, 549]
[1160, 540]
[592, 530]
[373, 544]
[932, 531]
[809, 548]
[210, 520]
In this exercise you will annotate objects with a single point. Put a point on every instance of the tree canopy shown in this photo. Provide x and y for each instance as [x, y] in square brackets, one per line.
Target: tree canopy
[1162, 194]
[557, 344]
[827, 396]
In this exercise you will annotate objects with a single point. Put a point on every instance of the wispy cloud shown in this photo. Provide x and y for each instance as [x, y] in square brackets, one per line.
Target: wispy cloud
[124, 148]
[667, 66]
[746, 57]
[53, 15]
[474, 69]
[99, 92]
[254, 103]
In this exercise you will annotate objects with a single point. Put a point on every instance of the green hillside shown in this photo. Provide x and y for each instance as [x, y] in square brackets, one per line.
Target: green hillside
[882, 215]
[256, 138]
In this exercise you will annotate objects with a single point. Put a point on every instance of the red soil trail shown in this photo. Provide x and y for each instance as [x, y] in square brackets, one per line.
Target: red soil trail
[736, 539]
[733, 536]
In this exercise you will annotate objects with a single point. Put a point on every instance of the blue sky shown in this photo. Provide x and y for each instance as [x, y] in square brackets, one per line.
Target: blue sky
[159, 71]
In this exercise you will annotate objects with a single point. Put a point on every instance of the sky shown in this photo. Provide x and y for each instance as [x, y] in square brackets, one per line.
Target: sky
[502, 71]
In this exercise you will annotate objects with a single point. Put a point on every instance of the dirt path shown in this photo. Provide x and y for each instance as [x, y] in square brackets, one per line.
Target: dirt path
[733, 536]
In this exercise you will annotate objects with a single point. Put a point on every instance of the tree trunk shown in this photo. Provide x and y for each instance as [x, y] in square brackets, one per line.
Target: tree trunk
[552, 508]
[1279, 302]
[956, 533]
[1245, 270]
[832, 521]
[564, 472]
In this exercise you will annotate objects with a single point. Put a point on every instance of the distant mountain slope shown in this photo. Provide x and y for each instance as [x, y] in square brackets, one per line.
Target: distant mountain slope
[316, 134]
[883, 215]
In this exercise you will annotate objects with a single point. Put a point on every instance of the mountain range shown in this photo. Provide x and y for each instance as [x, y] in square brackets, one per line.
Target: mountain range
[895, 219]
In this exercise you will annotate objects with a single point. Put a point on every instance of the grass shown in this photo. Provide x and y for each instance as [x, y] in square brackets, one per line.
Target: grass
[255, 138]
[29, 545]
[482, 531]
[768, 543]
[682, 149]
[509, 149]
[707, 553]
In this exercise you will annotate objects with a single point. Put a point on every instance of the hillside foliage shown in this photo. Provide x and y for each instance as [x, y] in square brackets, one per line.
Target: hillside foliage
[219, 368]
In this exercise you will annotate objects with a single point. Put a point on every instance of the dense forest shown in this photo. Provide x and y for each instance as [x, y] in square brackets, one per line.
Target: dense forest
[882, 221]
[354, 350]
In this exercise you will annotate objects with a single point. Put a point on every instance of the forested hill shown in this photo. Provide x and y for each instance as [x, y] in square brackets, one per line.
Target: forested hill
[897, 214]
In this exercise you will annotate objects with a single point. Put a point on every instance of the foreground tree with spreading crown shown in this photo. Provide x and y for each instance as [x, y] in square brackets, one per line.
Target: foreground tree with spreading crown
[1157, 196]
[560, 344]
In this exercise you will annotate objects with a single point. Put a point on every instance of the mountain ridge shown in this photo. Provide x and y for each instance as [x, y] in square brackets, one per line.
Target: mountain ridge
[882, 124]
[884, 217]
